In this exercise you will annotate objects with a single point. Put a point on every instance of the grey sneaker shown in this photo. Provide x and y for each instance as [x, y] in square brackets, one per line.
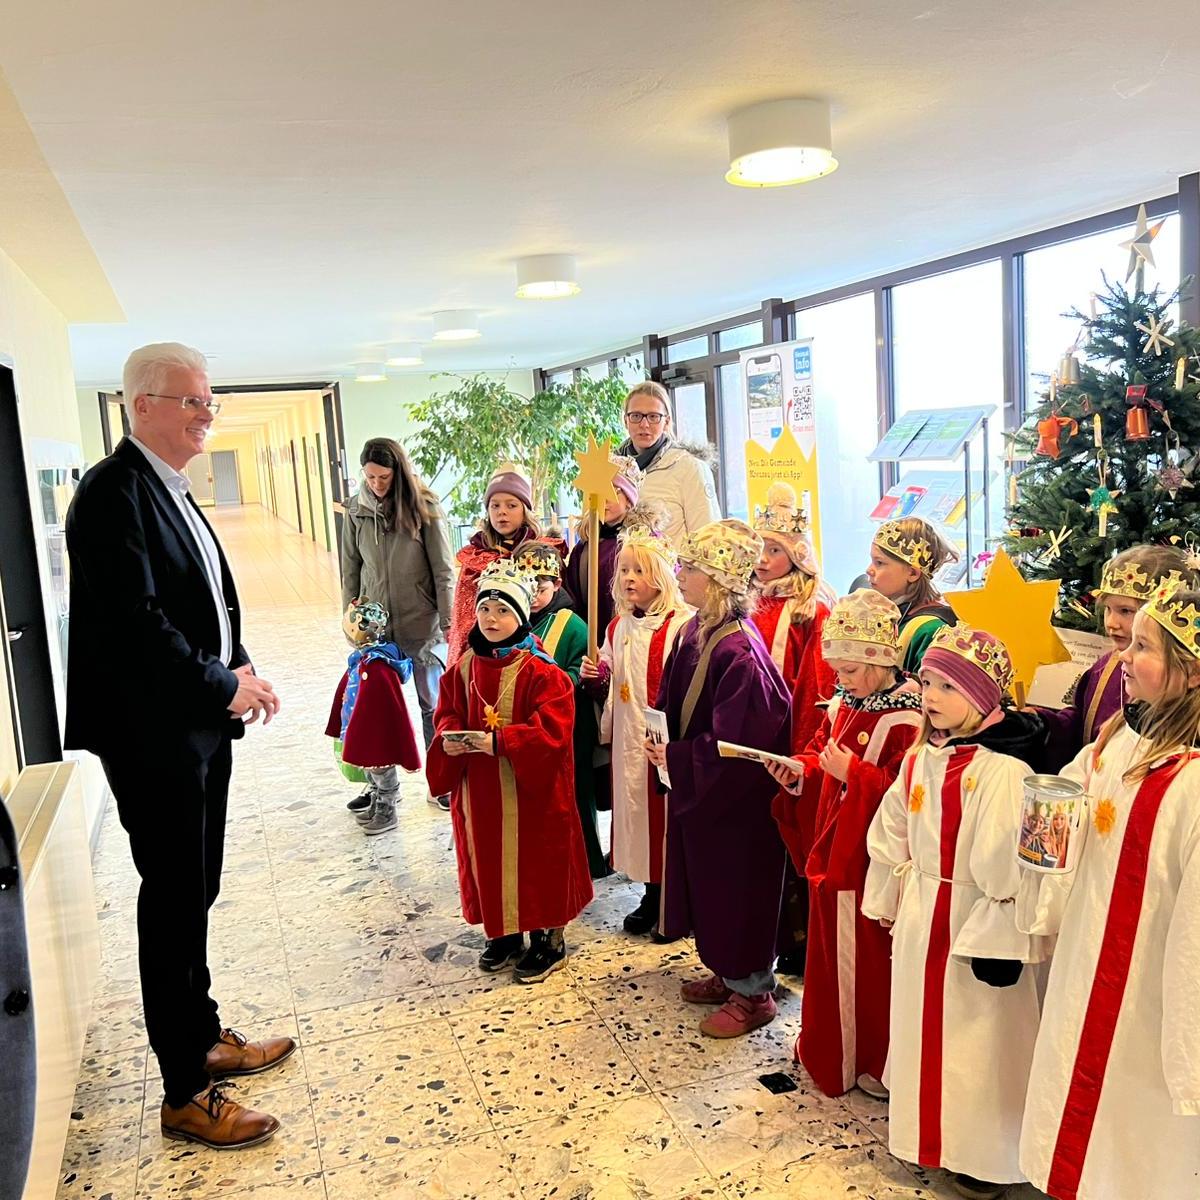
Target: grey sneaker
[364, 815]
[383, 819]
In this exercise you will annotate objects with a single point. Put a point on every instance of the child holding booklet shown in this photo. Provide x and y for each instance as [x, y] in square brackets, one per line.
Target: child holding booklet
[871, 722]
[504, 724]
[724, 858]
[943, 872]
[650, 615]
[1113, 1109]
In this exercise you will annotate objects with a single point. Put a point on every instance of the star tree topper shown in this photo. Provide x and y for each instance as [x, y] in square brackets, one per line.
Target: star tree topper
[1018, 613]
[1139, 246]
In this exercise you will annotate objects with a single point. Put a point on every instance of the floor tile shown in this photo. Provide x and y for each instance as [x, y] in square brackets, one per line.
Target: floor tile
[376, 1054]
[625, 1151]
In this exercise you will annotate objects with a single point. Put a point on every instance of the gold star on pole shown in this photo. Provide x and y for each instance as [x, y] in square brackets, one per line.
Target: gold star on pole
[1156, 335]
[595, 478]
[1018, 613]
[1139, 246]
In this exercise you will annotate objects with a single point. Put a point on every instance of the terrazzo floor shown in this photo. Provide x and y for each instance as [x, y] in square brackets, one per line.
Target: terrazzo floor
[418, 1077]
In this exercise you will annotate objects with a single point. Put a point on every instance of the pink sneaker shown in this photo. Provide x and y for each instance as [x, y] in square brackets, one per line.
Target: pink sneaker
[739, 1015]
[706, 991]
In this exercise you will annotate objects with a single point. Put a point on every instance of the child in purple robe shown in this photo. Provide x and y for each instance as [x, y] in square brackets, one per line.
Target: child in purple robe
[1128, 582]
[724, 867]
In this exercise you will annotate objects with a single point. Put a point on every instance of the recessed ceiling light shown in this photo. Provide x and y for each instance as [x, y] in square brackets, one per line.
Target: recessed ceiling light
[546, 277]
[455, 325]
[372, 372]
[407, 355]
[780, 142]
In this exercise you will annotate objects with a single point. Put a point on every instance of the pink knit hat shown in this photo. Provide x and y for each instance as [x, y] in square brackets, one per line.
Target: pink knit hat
[975, 661]
[509, 480]
[628, 479]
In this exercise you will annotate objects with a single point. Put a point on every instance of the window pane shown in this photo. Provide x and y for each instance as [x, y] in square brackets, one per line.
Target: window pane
[734, 432]
[597, 370]
[563, 378]
[632, 369]
[843, 355]
[948, 352]
[696, 347]
[740, 336]
[1062, 277]
[691, 413]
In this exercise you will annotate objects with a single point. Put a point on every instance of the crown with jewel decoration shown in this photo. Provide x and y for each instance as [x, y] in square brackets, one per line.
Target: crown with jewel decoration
[863, 627]
[781, 515]
[511, 584]
[981, 649]
[726, 550]
[642, 537]
[1133, 582]
[364, 622]
[1180, 618]
[916, 551]
[539, 558]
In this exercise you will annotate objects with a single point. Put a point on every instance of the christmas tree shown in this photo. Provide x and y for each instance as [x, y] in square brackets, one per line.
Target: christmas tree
[1111, 458]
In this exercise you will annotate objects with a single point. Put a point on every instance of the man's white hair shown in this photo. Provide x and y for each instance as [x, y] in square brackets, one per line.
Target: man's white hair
[146, 368]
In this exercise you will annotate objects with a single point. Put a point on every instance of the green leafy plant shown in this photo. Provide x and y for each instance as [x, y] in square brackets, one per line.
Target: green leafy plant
[1154, 481]
[480, 422]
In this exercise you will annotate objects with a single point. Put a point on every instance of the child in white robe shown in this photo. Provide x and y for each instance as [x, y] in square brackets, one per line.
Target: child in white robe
[650, 614]
[1113, 1110]
[944, 874]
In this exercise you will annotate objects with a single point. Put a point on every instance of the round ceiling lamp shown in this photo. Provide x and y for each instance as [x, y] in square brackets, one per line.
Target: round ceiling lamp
[369, 372]
[455, 325]
[546, 277]
[780, 142]
[404, 356]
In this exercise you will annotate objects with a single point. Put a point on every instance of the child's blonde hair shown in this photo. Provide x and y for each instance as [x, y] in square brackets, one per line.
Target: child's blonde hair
[720, 606]
[923, 590]
[1170, 723]
[661, 576]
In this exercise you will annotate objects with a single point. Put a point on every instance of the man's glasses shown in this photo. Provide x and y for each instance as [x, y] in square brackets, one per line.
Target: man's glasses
[640, 418]
[193, 402]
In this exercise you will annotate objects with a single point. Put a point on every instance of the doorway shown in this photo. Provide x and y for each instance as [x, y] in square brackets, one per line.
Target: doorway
[226, 487]
[199, 473]
[26, 649]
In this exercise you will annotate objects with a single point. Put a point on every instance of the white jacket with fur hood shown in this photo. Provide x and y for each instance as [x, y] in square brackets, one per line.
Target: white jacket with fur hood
[680, 478]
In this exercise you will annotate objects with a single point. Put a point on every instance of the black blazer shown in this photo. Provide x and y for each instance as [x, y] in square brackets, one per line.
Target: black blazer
[144, 642]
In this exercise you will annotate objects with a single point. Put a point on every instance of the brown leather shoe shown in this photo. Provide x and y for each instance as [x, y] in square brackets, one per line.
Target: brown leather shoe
[213, 1120]
[233, 1055]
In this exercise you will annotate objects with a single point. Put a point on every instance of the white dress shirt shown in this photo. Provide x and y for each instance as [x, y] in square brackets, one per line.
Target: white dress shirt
[178, 486]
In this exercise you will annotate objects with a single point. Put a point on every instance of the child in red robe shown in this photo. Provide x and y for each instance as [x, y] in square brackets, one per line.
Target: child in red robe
[505, 720]
[790, 607]
[847, 766]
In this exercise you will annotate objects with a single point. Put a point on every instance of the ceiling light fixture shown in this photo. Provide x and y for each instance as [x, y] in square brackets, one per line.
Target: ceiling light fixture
[369, 372]
[455, 325]
[407, 355]
[546, 277]
[780, 142]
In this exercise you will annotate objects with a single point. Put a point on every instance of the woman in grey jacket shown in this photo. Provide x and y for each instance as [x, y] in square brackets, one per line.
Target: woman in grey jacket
[396, 551]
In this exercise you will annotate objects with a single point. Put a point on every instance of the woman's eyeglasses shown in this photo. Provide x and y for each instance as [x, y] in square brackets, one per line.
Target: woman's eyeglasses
[193, 402]
[643, 418]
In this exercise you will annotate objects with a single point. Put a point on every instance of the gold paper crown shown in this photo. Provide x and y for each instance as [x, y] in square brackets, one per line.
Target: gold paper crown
[1132, 582]
[915, 551]
[782, 514]
[538, 558]
[1181, 620]
[863, 627]
[642, 537]
[506, 572]
[981, 649]
[727, 550]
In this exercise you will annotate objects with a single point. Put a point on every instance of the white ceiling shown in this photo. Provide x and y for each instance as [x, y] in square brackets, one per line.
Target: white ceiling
[283, 185]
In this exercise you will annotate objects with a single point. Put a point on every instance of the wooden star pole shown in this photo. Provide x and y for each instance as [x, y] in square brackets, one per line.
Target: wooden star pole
[595, 484]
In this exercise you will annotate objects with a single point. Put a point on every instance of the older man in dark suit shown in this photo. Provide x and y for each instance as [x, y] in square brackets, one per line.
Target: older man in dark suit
[159, 686]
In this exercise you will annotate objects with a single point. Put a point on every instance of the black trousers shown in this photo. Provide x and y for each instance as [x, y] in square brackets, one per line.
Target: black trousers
[172, 797]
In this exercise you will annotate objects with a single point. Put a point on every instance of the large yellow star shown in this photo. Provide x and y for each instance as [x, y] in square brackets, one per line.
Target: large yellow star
[595, 478]
[1018, 613]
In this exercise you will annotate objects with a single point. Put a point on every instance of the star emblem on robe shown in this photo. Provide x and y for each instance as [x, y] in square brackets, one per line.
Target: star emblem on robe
[1139, 246]
[491, 718]
[1018, 613]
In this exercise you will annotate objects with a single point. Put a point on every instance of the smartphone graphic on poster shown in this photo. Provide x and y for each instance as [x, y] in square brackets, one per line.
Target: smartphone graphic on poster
[764, 394]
